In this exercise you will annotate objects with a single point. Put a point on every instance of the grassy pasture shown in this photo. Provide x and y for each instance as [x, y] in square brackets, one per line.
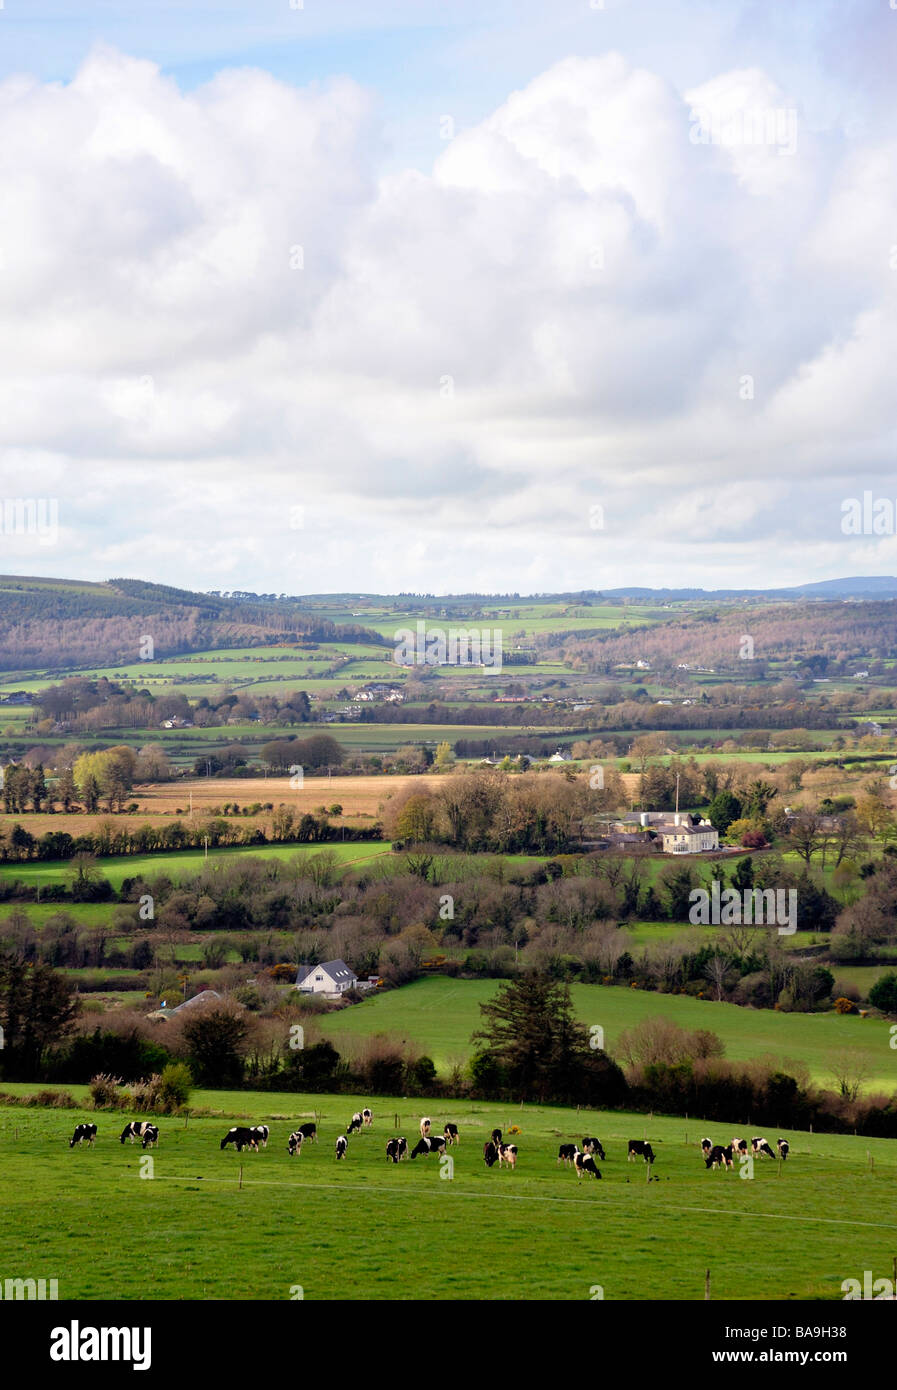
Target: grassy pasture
[439, 1015]
[79, 1215]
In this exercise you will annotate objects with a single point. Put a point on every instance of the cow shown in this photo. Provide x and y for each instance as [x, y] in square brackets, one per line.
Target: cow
[403, 1148]
[719, 1157]
[392, 1151]
[740, 1147]
[261, 1133]
[82, 1132]
[761, 1148]
[429, 1145]
[507, 1153]
[585, 1163]
[135, 1130]
[294, 1143]
[342, 1145]
[641, 1147]
[706, 1146]
[368, 1117]
[451, 1134]
[309, 1132]
[496, 1137]
[567, 1153]
[783, 1147]
[355, 1123]
[592, 1146]
[425, 1126]
[240, 1136]
[150, 1136]
[490, 1153]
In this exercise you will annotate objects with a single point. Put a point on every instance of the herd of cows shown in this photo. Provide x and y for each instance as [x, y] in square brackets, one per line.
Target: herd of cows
[495, 1150]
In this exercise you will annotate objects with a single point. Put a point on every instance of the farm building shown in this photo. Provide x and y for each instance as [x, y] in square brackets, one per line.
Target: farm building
[332, 977]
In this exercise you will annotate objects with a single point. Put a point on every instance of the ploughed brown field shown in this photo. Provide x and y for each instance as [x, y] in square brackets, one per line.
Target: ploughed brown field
[360, 797]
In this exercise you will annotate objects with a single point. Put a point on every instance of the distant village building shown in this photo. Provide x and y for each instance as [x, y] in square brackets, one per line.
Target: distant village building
[379, 693]
[679, 832]
[332, 977]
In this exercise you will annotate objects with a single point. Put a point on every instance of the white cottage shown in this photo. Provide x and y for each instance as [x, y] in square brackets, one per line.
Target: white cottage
[332, 977]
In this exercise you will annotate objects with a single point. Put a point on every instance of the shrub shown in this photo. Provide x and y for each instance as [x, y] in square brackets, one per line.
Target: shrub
[175, 1086]
[845, 1006]
[57, 1100]
[104, 1092]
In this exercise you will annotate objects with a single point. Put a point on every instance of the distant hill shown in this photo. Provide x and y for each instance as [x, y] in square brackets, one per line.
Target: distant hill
[868, 586]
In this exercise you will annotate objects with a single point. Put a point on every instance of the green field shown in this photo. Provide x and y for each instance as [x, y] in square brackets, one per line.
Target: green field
[400, 1232]
[189, 861]
[439, 1015]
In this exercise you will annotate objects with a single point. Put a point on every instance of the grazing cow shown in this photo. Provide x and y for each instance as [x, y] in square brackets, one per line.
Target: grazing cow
[150, 1136]
[585, 1163]
[490, 1153]
[451, 1134]
[761, 1148]
[403, 1148]
[367, 1116]
[641, 1147]
[241, 1136]
[392, 1151]
[342, 1145]
[496, 1136]
[355, 1123]
[740, 1147]
[783, 1147]
[507, 1153]
[429, 1145]
[425, 1127]
[567, 1153]
[82, 1132]
[593, 1146]
[706, 1146]
[309, 1132]
[294, 1143]
[135, 1130]
[719, 1157]
[260, 1136]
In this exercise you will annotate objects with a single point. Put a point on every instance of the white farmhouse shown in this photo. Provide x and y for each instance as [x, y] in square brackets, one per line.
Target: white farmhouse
[333, 977]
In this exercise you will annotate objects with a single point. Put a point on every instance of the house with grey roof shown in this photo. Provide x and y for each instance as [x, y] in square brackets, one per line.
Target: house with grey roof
[331, 977]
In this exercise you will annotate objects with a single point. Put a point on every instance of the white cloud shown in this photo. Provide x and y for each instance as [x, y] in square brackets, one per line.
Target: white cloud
[455, 366]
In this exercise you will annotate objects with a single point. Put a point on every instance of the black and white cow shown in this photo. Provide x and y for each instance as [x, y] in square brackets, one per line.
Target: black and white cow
[507, 1153]
[719, 1157]
[135, 1130]
[430, 1144]
[740, 1148]
[150, 1136]
[355, 1123]
[240, 1136]
[294, 1143]
[490, 1153]
[82, 1132]
[496, 1136]
[451, 1134]
[403, 1148]
[641, 1148]
[567, 1153]
[309, 1132]
[261, 1133]
[392, 1151]
[425, 1126]
[761, 1148]
[783, 1147]
[585, 1163]
[592, 1146]
[342, 1145]
[706, 1146]
[368, 1117]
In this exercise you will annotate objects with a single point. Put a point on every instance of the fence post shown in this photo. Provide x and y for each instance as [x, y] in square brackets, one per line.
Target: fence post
[241, 1177]
[707, 1287]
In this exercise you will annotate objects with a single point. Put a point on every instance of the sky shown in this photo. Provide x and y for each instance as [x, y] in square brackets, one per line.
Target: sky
[493, 297]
